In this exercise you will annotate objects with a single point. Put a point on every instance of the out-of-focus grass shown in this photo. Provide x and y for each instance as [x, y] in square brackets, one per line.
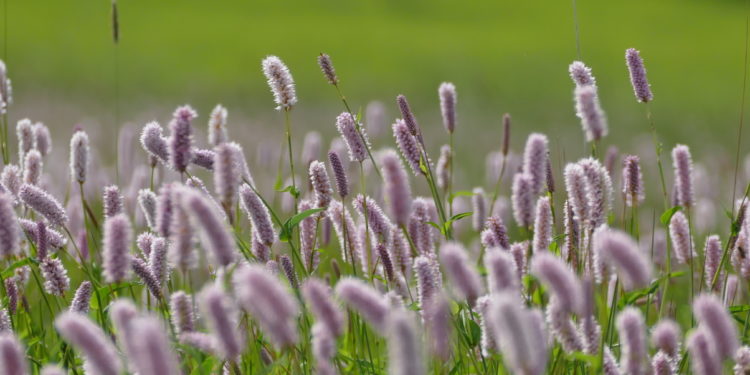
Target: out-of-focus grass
[503, 56]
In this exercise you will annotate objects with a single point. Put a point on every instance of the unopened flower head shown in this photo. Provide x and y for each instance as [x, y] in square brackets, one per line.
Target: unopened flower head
[281, 82]
[342, 184]
[324, 61]
[180, 140]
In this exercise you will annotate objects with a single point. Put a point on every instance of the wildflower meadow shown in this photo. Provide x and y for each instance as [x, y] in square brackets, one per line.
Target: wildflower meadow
[364, 248]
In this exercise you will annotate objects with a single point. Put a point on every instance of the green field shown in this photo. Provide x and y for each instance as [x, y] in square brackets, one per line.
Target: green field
[503, 56]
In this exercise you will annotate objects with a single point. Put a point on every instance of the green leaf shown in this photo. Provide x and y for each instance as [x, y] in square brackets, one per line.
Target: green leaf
[8, 272]
[296, 219]
[476, 333]
[291, 190]
[437, 226]
[460, 216]
[460, 193]
[666, 217]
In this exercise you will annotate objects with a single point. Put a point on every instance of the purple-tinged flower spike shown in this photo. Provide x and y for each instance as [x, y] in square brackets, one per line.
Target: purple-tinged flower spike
[12, 355]
[269, 302]
[581, 74]
[339, 173]
[442, 169]
[142, 270]
[598, 190]
[501, 271]
[354, 143]
[666, 336]
[116, 252]
[438, 326]
[80, 303]
[683, 175]
[182, 253]
[572, 233]
[408, 145]
[11, 290]
[378, 222]
[742, 360]
[632, 180]
[519, 335]
[550, 177]
[308, 239]
[154, 142]
[428, 280]
[32, 168]
[289, 272]
[731, 290]
[217, 126]
[148, 202]
[720, 326]
[560, 279]
[385, 259]
[575, 185]
[367, 301]
[634, 348]
[562, 327]
[591, 331]
[56, 280]
[345, 230]
[447, 92]
[144, 242]
[153, 354]
[10, 234]
[619, 250]
[542, 225]
[535, 156]
[408, 115]
[281, 83]
[83, 334]
[610, 159]
[203, 158]
[25, 134]
[713, 253]
[661, 364]
[420, 231]
[704, 359]
[122, 312]
[113, 201]
[489, 346]
[323, 349]
[221, 317]
[43, 203]
[464, 276]
[479, 208]
[258, 215]
[588, 108]
[519, 250]
[495, 234]
[400, 252]
[682, 241]
[522, 199]
[213, 232]
[396, 186]
[180, 142]
[181, 308]
[610, 367]
[404, 345]
[638, 78]
[157, 260]
[324, 61]
[321, 185]
[227, 174]
[319, 298]
[165, 204]
[11, 179]
[79, 156]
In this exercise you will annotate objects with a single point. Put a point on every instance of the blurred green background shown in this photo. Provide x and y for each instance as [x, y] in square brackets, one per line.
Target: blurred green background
[503, 56]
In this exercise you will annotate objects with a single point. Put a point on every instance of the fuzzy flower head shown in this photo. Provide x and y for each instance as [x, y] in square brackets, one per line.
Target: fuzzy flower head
[217, 126]
[10, 234]
[683, 175]
[324, 61]
[281, 82]
[154, 142]
[638, 77]
[43, 203]
[408, 145]
[79, 156]
[589, 110]
[116, 251]
[619, 250]
[447, 92]
[342, 184]
[535, 156]
[321, 184]
[181, 138]
[396, 186]
[632, 180]
[523, 199]
[356, 144]
[581, 74]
